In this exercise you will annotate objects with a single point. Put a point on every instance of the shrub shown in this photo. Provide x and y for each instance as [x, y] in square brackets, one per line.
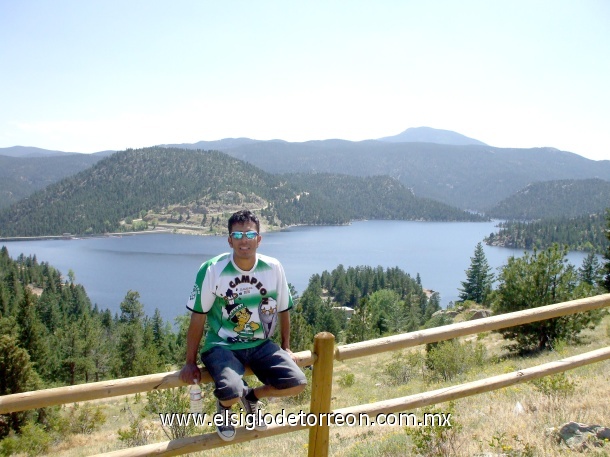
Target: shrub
[448, 359]
[436, 440]
[177, 400]
[138, 432]
[347, 380]
[85, 419]
[404, 368]
[33, 440]
[556, 385]
[500, 443]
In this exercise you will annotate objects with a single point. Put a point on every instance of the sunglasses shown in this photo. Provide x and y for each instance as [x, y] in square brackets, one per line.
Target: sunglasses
[239, 235]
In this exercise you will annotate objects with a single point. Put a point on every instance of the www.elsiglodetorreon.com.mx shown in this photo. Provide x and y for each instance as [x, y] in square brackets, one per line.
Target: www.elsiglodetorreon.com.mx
[307, 419]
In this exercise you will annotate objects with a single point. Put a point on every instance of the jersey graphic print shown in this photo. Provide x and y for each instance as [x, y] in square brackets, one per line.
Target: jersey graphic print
[238, 313]
[242, 307]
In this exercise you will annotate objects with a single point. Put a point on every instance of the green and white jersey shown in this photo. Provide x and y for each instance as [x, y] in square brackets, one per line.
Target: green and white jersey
[242, 306]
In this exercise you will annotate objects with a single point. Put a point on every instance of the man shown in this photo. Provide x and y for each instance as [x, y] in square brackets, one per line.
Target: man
[242, 295]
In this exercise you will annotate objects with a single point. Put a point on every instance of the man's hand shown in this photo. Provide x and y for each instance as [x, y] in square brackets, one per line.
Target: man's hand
[190, 372]
[292, 356]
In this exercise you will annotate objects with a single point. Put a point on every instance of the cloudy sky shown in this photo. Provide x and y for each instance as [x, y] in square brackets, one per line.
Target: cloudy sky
[92, 75]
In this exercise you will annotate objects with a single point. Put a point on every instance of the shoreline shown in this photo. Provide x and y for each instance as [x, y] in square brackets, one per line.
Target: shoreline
[164, 228]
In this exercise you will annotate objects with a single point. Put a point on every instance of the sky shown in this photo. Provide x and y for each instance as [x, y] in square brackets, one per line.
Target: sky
[87, 76]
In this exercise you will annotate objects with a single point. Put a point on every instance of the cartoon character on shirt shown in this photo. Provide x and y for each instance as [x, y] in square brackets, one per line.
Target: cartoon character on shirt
[240, 315]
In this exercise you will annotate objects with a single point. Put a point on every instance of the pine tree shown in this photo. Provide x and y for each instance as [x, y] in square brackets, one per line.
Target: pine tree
[33, 334]
[540, 279]
[16, 375]
[590, 270]
[606, 282]
[477, 286]
[301, 334]
[131, 335]
[433, 305]
[358, 328]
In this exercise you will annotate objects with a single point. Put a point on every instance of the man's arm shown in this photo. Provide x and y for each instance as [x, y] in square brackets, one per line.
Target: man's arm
[190, 371]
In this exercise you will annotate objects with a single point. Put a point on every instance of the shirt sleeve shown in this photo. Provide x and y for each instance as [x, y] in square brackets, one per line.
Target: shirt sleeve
[202, 296]
[284, 298]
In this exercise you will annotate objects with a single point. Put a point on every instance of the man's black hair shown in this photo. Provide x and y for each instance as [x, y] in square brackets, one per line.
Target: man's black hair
[242, 217]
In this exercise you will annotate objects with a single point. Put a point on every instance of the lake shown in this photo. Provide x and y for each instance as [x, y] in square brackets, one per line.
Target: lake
[162, 266]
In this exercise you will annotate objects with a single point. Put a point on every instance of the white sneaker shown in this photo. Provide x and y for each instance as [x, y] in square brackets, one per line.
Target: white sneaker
[226, 431]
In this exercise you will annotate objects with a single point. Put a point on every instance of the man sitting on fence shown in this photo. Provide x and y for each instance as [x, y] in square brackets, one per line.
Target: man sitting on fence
[243, 295]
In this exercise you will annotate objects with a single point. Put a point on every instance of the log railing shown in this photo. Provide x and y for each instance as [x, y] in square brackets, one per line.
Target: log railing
[322, 359]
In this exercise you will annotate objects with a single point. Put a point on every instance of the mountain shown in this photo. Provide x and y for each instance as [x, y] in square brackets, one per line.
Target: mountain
[469, 176]
[21, 176]
[179, 183]
[24, 170]
[430, 135]
[555, 199]
[219, 145]
[472, 177]
[29, 151]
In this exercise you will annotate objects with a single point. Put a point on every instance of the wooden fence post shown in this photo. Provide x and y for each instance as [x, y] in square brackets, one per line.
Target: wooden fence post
[321, 390]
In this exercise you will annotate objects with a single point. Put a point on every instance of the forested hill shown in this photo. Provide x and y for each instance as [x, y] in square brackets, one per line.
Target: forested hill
[128, 184]
[20, 176]
[567, 212]
[555, 199]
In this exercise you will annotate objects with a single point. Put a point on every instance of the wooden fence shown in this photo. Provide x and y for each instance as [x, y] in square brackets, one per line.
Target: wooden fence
[322, 358]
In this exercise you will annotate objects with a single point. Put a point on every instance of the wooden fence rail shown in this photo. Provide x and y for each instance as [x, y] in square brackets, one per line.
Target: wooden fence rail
[372, 410]
[104, 389]
[322, 360]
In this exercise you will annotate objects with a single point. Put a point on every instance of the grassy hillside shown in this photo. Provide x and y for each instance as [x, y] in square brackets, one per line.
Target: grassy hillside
[490, 422]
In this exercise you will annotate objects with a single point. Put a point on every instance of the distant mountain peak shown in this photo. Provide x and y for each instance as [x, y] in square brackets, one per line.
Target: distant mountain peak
[430, 135]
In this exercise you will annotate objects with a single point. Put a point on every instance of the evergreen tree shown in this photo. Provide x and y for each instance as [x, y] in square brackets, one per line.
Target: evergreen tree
[432, 306]
[590, 271]
[161, 338]
[131, 335]
[607, 254]
[148, 360]
[33, 334]
[179, 346]
[539, 279]
[16, 375]
[358, 328]
[477, 286]
[415, 319]
[70, 347]
[301, 334]
[101, 351]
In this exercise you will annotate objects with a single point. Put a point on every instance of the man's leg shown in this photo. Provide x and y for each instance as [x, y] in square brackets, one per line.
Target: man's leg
[227, 372]
[280, 375]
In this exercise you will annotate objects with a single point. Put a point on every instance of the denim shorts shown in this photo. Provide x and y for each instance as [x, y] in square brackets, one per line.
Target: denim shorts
[271, 364]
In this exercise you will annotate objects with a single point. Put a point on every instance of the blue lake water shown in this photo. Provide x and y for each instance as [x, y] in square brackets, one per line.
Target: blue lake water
[162, 267]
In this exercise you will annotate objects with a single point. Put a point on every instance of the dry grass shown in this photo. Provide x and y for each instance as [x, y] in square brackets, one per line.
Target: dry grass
[488, 422]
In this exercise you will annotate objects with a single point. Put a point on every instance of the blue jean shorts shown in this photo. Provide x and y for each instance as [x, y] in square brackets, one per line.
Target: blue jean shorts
[271, 364]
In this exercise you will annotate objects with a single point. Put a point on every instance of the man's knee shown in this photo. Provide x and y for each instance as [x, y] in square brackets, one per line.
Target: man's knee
[296, 390]
[292, 391]
[230, 389]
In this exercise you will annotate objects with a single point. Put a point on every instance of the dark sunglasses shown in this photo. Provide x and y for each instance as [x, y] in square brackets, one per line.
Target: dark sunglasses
[239, 235]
